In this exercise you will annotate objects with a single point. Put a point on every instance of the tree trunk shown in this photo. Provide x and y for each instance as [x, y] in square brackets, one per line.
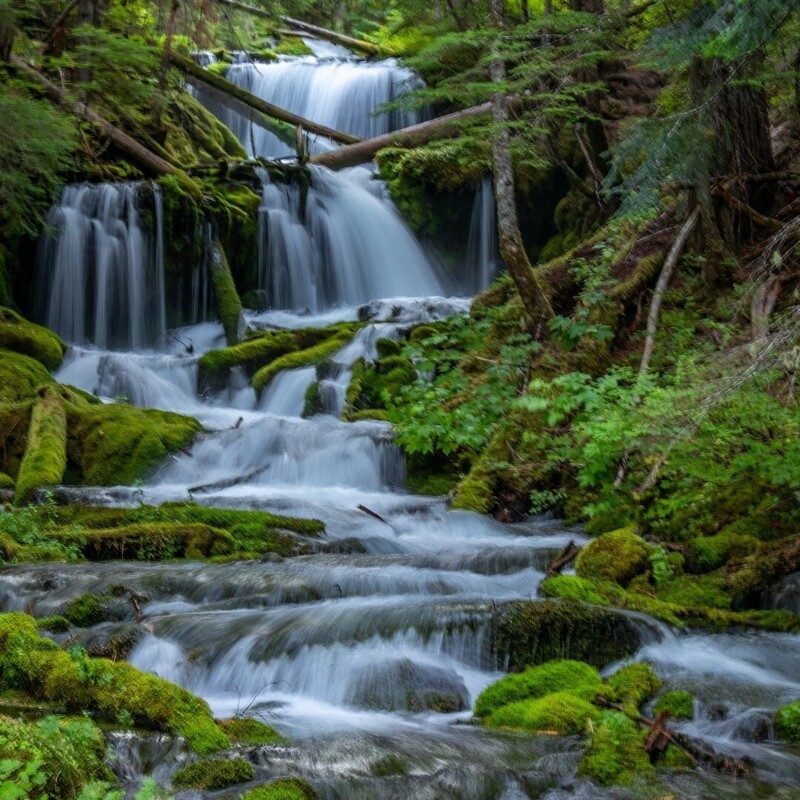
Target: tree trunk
[589, 6]
[536, 303]
[173, 13]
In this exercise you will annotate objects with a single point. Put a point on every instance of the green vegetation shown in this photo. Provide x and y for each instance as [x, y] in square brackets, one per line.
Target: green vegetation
[679, 704]
[113, 690]
[83, 611]
[616, 754]
[633, 685]
[283, 789]
[787, 722]
[21, 336]
[559, 712]
[229, 306]
[249, 731]
[618, 556]
[213, 773]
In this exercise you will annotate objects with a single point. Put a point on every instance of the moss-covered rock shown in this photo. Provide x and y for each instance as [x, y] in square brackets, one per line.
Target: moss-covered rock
[560, 712]
[679, 704]
[77, 682]
[616, 754]
[46, 454]
[283, 789]
[787, 722]
[249, 731]
[553, 676]
[532, 632]
[85, 611]
[707, 553]
[55, 624]
[213, 774]
[574, 588]
[696, 591]
[618, 556]
[156, 541]
[633, 685]
[50, 758]
[21, 336]
[20, 378]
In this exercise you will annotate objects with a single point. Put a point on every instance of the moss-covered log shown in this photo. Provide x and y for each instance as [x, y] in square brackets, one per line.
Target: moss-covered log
[46, 455]
[229, 306]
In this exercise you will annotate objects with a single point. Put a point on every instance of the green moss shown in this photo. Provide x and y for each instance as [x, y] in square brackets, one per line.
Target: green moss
[554, 676]
[249, 731]
[116, 444]
[679, 704]
[312, 402]
[563, 712]
[213, 774]
[37, 666]
[53, 624]
[676, 758]
[157, 541]
[6, 481]
[85, 611]
[532, 632]
[583, 589]
[229, 306]
[370, 413]
[616, 754]
[20, 377]
[474, 493]
[46, 454]
[283, 789]
[388, 347]
[300, 358]
[618, 556]
[633, 685]
[787, 722]
[253, 352]
[292, 46]
[707, 553]
[50, 758]
[696, 591]
[21, 336]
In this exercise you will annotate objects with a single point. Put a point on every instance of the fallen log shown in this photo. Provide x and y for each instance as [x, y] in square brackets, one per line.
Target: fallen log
[562, 559]
[217, 82]
[139, 153]
[413, 136]
[332, 36]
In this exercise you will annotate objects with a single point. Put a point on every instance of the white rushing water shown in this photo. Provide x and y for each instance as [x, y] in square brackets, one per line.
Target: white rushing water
[369, 647]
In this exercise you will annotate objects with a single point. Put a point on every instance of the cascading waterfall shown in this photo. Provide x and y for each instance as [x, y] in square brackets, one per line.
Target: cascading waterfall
[101, 272]
[344, 94]
[351, 246]
[483, 257]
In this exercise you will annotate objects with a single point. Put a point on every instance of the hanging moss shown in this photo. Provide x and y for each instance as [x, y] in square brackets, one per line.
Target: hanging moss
[535, 682]
[229, 306]
[618, 556]
[77, 682]
[21, 336]
[46, 454]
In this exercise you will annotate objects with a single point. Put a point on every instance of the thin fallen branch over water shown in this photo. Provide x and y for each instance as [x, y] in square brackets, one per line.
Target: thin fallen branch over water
[207, 78]
[332, 36]
[562, 559]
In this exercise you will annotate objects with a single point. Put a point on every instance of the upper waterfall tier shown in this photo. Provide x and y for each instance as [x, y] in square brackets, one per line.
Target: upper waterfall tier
[342, 94]
[101, 273]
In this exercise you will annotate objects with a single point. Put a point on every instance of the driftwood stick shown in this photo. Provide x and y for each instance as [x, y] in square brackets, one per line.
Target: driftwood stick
[562, 559]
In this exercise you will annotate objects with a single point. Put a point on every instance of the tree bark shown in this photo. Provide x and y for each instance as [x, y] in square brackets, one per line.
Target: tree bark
[173, 13]
[534, 299]
[413, 136]
[204, 76]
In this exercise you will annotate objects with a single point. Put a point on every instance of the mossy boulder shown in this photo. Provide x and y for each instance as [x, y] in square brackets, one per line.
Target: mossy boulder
[707, 553]
[73, 680]
[616, 754]
[35, 341]
[45, 457]
[560, 712]
[787, 722]
[558, 675]
[283, 789]
[574, 588]
[618, 556]
[679, 704]
[50, 758]
[213, 774]
[633, 685]
[529, 632]
[20, 377]
[84, 611]
[249, 731]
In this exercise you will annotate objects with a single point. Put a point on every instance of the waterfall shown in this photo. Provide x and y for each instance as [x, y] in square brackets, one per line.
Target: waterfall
[483, 257]
[101, 271]
[350, 247]
[203, 58]
[343, 94]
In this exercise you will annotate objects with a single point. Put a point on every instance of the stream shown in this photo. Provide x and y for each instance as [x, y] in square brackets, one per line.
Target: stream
[368, 653]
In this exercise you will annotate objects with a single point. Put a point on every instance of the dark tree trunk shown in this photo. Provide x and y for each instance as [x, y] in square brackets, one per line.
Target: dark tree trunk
[534, 299]
[737, 114]
[590, 6]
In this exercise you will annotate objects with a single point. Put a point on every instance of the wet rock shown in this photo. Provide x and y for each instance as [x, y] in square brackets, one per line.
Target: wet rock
[404, 685]
[755, 726]
[341, 546]
[114, 641]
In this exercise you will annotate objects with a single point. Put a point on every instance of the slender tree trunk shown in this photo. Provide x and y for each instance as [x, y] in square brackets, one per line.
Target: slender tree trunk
[534, 299]
[590, 6]
[173, 13]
